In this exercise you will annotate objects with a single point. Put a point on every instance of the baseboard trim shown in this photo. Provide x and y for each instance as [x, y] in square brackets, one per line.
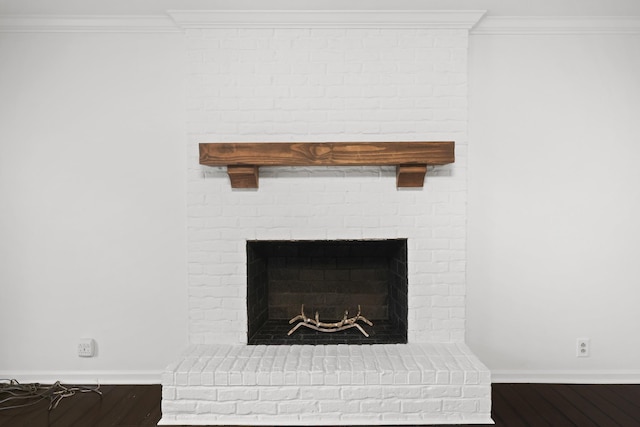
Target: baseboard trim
[84, 377]
[154, 377]
[566, 377]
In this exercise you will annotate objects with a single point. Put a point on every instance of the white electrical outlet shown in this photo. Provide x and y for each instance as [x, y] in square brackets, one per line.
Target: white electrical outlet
[86, 347]
[583, 347]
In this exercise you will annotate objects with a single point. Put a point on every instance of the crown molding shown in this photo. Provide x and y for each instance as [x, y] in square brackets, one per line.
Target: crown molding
[557, 25]
[180, 20]
[87, 24]
[422, 19]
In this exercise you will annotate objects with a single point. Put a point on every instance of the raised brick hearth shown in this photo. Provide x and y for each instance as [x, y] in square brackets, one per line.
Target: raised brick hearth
[327, 385]
[348, 80]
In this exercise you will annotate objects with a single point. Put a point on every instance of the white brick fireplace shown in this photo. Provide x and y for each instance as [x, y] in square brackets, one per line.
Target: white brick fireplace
[332, 76]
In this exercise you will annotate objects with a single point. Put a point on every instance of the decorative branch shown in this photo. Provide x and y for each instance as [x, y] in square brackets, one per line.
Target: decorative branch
[315, 324]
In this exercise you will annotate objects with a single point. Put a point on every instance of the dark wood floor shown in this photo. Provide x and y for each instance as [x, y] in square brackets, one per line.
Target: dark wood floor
[514, 405]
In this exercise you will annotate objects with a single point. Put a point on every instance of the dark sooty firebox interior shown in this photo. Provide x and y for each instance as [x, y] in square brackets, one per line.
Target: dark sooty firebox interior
[329, 277]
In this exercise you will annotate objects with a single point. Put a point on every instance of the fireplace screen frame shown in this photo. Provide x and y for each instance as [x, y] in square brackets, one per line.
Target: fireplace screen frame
[329, 277]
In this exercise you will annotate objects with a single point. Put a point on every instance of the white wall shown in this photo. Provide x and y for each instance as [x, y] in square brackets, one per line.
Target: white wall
[554, 202]
[92, 222]
[92, 218]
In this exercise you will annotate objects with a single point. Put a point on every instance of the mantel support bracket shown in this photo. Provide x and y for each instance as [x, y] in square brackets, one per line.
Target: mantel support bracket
[243, 176]
[410, 175]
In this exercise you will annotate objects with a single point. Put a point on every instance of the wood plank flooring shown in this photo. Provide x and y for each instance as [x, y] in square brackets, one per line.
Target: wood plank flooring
[121, 405]
[514, 405]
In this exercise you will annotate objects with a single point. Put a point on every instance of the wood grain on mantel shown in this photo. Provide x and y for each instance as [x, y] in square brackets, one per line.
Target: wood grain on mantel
[243, 159]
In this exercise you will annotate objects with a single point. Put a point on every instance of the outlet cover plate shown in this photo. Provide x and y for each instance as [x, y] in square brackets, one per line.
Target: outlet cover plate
[583, 347]
[86, 347]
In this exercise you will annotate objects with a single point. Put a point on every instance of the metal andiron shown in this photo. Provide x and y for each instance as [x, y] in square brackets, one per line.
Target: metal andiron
[315, 324]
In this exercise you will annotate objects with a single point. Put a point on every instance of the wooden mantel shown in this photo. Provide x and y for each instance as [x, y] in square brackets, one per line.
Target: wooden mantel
[243, 159]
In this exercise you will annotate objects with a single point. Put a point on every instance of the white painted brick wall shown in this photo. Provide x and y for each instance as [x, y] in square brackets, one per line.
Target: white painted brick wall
[326, 85]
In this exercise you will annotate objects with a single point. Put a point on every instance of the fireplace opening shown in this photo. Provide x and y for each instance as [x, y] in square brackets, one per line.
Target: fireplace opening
[334, 285]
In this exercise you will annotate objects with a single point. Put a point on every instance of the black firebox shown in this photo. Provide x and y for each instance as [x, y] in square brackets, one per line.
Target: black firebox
[333, 278]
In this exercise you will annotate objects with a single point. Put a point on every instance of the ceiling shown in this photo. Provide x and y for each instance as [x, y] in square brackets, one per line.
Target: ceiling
[156, 7]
